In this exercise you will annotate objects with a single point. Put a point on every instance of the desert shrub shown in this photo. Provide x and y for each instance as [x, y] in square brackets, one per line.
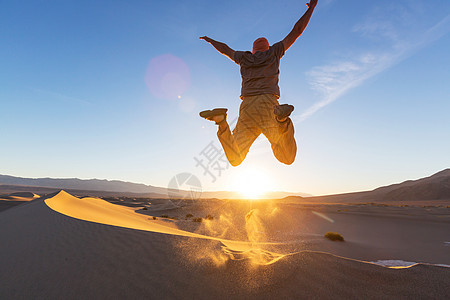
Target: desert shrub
[199, 220]
[144, 208]
[189, 215]
[169, 217]
[209, 217]
[333, 236]
[155, 218]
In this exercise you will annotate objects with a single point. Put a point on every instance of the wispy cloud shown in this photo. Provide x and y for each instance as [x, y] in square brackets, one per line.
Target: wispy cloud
[62, 97]
[326, 2]
[333, 80]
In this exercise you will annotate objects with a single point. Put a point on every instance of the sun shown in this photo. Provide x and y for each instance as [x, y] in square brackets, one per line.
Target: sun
[252, 183]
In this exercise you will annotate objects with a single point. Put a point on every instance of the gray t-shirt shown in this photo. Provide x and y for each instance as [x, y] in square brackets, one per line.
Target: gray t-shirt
[260, 71]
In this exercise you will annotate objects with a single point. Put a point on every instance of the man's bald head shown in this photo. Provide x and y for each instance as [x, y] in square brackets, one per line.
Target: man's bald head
[261, 44]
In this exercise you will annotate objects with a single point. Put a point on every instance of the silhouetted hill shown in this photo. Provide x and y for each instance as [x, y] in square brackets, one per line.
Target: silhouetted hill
[434, 187]
[84, 184]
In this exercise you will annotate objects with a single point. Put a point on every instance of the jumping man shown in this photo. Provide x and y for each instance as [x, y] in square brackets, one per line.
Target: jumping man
[260, 111]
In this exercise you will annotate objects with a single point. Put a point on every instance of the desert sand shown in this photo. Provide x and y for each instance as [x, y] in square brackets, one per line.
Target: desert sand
[64, 247]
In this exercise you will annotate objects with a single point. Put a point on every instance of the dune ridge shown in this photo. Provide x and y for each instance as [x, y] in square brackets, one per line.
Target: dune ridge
[100, 211]
[19, 196]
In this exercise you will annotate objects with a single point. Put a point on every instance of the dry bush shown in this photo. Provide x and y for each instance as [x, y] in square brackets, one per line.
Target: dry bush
[334, 236]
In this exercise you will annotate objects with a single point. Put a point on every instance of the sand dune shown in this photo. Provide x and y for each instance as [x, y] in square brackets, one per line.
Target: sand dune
[69, 248]
[19, 196]
[100, 211]
[10, 200]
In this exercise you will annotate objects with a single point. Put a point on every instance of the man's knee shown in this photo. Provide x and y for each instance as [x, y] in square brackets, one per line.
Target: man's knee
[237, 159]
[286, 157]
[235, 163]
[289, 160]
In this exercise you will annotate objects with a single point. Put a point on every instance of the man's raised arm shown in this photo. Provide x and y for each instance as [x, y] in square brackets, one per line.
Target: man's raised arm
[300, 26]
[221, 47]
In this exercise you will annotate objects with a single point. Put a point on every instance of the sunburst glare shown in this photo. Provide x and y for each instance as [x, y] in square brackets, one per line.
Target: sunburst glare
[252, 183]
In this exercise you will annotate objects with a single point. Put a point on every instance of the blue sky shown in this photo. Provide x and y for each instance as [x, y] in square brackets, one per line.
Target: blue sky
[112, 90]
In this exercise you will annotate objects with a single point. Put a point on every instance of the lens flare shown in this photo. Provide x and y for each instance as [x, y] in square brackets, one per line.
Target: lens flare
[167, 77]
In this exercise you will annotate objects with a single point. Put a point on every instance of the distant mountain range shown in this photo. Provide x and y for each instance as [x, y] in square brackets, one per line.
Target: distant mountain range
[97, 187]
[435, 187]
[85, 185]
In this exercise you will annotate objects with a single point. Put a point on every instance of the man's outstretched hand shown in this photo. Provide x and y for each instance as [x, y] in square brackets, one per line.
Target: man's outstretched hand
[221, 47]
[312, 4]
[206, 38]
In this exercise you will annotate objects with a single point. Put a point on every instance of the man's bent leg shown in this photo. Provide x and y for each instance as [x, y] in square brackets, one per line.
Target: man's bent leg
[237, 144]
[281, 137]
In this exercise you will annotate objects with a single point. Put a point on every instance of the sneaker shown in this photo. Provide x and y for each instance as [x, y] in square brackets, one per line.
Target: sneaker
[283, 111]
[210, 114]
